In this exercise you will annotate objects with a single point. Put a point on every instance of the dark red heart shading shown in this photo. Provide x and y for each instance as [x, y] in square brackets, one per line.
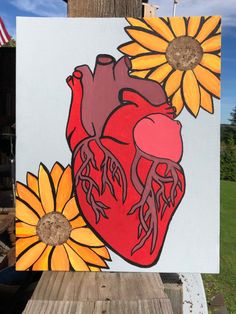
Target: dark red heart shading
[126, 149]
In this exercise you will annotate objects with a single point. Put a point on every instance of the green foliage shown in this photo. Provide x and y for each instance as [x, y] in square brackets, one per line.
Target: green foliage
[228, 160]
[227, 131]
[225, 282]
[233, 116]
[228, 152]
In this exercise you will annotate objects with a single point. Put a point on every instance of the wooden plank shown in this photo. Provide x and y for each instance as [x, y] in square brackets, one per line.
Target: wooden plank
[100, 286]
[105, 8]
[175, 293]
[150, 10]
[161, 306]
[6, 210]
[81, 292]
[63, 292]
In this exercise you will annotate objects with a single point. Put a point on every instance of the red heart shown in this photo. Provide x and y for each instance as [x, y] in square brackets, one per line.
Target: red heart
[126, 150]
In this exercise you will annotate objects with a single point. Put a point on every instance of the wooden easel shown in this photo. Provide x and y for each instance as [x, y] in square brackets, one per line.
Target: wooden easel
[103, 292]
[150, 10]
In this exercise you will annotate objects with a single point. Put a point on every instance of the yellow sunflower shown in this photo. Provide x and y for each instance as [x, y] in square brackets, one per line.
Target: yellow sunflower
[182, 54]
[51, 233]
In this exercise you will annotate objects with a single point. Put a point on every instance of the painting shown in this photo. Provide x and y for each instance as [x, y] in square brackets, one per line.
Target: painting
[117, 137]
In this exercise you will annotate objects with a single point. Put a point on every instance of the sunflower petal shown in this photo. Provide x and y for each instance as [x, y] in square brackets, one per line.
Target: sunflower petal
[42, 263]
[22, 244]
[46, 190]
[178, 26]
[25, 213]
[32, 182]
[212, 44]
[173, 82]
[30, 198]
[92, 268]
[159, 26]
[212, 62]
[177, 101]
[191, 92]
[219, 30]
[160, 73]
[71, 209]
[141, 74]
[30, 257]
[59, 260]
[138, 23]
[64, 189]
[24, 230]
[56, 174]
[148, 61]
[132, 49]
[76, 261]
[88, 255]
[208, 26]
[206, 100]
[193, 25]
[85, 236]
[148, 40]
[102, 251]
[208, 80]
[77, 223]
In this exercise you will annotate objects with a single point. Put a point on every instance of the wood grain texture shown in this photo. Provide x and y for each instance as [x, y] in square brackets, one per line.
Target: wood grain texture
[105, 8]
[150, 10]
[161, 306]
[94, 286]
[174, 292]
[121, 293]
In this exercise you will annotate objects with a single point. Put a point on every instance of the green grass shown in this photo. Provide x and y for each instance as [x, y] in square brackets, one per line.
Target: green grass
[225, 282]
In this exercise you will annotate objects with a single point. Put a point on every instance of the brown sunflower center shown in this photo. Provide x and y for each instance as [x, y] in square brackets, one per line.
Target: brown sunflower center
[53, 229]
[184, 53]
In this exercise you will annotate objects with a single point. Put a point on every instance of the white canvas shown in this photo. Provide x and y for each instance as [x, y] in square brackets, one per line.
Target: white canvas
[48, 50]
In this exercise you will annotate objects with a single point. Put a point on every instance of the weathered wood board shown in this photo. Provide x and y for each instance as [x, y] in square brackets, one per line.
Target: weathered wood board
[105, 8]
[98, 307]
[60, 292]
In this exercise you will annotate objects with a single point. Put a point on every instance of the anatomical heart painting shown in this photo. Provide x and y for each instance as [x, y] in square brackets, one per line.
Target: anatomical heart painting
[118, 144]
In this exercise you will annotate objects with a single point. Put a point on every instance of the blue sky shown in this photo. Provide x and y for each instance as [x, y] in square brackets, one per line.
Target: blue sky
[9, 9]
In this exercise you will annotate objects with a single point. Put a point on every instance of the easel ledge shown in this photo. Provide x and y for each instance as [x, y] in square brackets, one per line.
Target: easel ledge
[93, 292]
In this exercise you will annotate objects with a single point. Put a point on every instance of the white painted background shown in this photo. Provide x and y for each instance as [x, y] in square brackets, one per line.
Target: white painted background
[48, 49]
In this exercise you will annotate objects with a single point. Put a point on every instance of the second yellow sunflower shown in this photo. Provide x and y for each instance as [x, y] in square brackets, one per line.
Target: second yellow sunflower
[182, 54]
